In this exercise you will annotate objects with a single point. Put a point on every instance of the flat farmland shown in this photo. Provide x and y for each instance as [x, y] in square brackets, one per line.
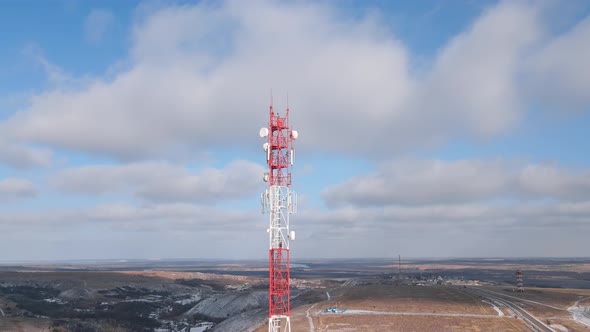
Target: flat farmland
[401, 308]
[416, 323]
[15, 324]
[558, 297]
[471, 295]
[425, 299]
[548, 304]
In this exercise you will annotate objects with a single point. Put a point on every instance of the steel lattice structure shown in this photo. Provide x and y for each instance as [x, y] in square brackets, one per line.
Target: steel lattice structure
[519, 285]
[279, 202]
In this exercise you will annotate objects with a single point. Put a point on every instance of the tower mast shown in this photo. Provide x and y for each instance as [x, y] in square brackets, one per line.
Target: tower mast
[519, 287]
[279, 202]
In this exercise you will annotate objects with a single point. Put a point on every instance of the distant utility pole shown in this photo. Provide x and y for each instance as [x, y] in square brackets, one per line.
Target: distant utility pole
[399, 266]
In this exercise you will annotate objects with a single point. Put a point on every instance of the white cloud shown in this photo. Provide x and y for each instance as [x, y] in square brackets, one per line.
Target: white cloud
[160, 181]
[548, 180]
[16, 188]
[419, 182]
[189, 230]
[474, 83]
[22, 156]
[97, 25]
[558, 72]
[151, 217]
[161, 230]
[468, 217]
[448, 230]
[199, 77]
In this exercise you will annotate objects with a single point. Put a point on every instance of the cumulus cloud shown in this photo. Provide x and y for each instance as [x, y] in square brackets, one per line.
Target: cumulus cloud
[474, 84]
[23, 156]
[558, 71]
[468, 217]
[197, 74]
[16, 188]
[417, 182]
[113, 217]
[173, 216]
[160, 181]
[197, 79]
[179, 90]
[97, 25]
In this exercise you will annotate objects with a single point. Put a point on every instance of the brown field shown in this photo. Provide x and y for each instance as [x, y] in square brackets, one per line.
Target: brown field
[24, 325]
[504, 266]
[562, 298]
[419, 324]
[437, 300]
[89, 279]
[409, 299]
[376, 298]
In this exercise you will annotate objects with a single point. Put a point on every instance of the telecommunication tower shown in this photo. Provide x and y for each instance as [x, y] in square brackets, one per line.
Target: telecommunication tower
[279, 202]
[519, 287]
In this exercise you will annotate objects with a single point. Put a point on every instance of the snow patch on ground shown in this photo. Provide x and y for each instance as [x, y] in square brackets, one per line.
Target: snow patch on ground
[559, 327]
[227, 305]
[245, 322]
[500, 313]
[581, 314]
[204, 326]
[191, 299]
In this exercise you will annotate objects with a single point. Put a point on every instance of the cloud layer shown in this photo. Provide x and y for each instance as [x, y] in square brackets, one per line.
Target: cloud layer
[152, 181]
[420, 182]
[196, 81]
[196, 74]
[16, 188]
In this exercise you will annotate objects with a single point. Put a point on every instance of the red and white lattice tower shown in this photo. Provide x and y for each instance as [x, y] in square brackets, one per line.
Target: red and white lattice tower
[280, 202]
[519, 286]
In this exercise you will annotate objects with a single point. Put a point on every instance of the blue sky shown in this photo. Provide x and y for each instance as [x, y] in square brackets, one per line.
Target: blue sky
[129, 129]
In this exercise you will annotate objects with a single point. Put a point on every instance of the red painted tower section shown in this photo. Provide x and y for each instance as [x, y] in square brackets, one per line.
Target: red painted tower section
[519, 285]
[279, 296]
[281, 143]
